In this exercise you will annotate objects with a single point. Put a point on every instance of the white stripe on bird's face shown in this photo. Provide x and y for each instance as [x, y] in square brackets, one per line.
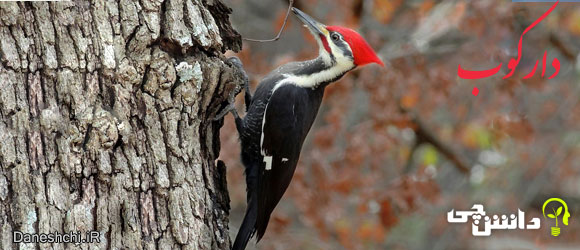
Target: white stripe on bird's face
[337, 64]
[314, 80]
[342, 54]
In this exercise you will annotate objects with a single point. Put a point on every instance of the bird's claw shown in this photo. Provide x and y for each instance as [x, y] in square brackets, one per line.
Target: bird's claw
[230, 108]
[236, 63]
[224, 112]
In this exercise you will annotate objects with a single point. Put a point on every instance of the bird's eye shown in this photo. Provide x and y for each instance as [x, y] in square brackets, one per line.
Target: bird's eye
[335, 37]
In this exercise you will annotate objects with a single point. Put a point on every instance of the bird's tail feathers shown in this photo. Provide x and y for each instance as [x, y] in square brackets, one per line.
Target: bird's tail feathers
[248, 227]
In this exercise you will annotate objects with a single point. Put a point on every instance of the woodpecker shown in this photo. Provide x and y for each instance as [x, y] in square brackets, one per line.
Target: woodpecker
[280, 114]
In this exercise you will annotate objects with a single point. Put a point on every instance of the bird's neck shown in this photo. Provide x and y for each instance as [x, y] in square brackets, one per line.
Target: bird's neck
[318, 72]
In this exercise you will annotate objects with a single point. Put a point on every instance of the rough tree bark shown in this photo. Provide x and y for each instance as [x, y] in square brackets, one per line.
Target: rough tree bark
[105, 122]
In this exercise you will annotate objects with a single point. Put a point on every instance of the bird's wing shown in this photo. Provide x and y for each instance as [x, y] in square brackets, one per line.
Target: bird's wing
[281, 141]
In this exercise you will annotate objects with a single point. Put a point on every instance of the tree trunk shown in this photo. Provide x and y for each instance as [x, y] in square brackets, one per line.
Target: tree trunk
[106, 125]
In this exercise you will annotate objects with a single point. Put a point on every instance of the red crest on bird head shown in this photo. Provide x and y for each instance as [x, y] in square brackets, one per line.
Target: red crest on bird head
[361, 50]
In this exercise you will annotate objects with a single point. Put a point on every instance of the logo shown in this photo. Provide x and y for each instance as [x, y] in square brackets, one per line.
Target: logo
[556, 212]
[483, 225]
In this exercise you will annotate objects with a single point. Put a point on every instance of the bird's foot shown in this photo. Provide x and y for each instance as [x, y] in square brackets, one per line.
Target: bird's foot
[230, 108]
[239, 71]
[236, 62]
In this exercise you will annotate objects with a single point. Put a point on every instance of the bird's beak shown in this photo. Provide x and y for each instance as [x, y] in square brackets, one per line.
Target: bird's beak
[318, 29]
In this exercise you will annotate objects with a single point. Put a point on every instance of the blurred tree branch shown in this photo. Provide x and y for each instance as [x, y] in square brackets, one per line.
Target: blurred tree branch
[562, 46]
[426, 135]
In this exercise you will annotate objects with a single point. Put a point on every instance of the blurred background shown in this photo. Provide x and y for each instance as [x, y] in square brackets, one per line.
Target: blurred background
[394, 149]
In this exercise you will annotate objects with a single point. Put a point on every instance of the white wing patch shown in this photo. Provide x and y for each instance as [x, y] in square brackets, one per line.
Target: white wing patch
[262, 132]
[284, 159]
[268, 161]
[267, 158]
